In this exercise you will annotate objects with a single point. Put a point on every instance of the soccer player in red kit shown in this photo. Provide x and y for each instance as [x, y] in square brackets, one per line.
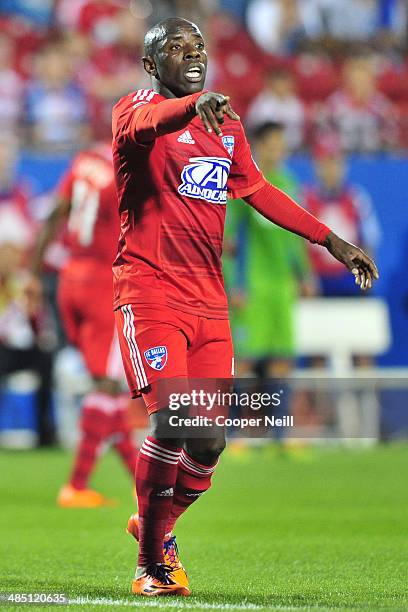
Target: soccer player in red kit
[86, 201]
[178, 153]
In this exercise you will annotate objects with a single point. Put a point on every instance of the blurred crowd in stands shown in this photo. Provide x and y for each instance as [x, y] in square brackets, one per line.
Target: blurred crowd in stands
[314, 65]
[330, 75]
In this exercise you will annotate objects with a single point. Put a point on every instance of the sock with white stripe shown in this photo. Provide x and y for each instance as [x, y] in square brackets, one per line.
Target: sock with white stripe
[156, 474]
[193, 479]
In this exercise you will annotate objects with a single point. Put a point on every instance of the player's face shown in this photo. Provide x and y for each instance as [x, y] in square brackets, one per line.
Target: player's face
[331, 171]
[271, 150]
[181, 61]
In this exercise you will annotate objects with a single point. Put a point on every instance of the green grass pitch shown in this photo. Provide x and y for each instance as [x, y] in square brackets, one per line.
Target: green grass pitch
[317, 529]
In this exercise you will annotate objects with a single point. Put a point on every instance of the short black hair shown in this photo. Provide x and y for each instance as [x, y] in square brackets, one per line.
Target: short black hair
[263, 129]
[159, 31]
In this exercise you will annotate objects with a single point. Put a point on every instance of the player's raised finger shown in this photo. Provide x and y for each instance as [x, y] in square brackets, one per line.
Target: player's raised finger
[355, 271]
[369, 282]
[362, 278]
[367, 263]
[370, 265]
[231, 113]
[204, 120]
[209, 113]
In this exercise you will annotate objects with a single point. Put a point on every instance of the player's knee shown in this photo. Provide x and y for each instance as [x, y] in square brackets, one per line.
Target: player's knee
[205, 451]
[161, 429]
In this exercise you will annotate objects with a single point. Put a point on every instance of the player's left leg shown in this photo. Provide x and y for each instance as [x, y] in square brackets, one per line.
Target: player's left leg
[154, 350]
[192, 480]
[210, 364]
[197, 463]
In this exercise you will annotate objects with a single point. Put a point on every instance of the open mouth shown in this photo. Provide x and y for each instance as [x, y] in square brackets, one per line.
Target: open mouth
[194, 73]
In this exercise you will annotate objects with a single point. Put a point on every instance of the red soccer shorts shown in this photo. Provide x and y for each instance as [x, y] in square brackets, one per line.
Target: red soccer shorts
[159, 343]
[85, 304]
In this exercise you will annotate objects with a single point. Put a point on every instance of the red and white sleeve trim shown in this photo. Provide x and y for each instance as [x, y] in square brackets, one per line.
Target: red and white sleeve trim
[143, 96]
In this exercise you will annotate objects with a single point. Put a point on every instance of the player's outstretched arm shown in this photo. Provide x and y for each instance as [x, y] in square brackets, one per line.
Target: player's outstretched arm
[358, 262]
[143, 122]
[278, 207]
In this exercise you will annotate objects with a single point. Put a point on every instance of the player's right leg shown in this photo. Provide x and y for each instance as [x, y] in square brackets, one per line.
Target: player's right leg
[154, 349]
[85, 305]
[95, 426]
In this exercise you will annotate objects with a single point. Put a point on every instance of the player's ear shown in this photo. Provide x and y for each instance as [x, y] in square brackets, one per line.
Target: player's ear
[150, 66]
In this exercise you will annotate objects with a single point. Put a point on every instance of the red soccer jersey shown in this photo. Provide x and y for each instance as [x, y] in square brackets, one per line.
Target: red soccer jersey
[93, 223]
[172, 198]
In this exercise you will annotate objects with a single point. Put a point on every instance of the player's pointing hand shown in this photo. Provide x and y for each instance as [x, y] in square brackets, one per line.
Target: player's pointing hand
[363, 268]
[211, 108]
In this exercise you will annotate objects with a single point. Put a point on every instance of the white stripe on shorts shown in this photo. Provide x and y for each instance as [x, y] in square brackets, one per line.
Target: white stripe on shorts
[130, 335]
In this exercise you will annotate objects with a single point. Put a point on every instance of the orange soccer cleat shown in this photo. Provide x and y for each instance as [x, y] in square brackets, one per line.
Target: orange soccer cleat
[170, 552]
[69, 497]
[157, 580]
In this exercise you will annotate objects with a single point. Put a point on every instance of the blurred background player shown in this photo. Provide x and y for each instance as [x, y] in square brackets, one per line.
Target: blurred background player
[349, 209]
[346, 207]
[265, 250]
[358, 111]
[87, 203]
[279, 102]
[261, 250]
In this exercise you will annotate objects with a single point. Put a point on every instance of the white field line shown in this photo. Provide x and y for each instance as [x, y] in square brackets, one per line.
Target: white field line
[170, 603]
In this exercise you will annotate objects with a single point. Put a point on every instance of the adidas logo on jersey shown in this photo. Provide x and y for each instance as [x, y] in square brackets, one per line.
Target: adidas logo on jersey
[166, 493]
[186, 137]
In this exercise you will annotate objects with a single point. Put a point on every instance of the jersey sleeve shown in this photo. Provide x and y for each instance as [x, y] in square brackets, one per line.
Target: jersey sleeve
[275, 205]
[245, 177]
[125, 114]
[140, 118]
